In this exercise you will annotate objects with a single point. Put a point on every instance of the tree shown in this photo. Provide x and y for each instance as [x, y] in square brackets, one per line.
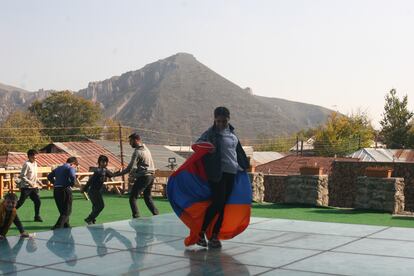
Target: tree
[68, 117]
[410, 143]
[342, 135]
[395, 121]
[21, 131]
[279, 144]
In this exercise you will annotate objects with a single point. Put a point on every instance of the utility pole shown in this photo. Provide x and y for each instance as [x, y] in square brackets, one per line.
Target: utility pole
[122, 156]
[301, 147]
[297, 145]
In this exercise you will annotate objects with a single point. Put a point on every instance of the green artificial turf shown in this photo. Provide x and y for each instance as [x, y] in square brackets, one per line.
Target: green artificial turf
[329, 214]
[117, 208]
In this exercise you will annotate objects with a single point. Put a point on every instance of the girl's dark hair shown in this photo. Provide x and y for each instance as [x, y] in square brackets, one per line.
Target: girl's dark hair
[221, 111]
[103, 158]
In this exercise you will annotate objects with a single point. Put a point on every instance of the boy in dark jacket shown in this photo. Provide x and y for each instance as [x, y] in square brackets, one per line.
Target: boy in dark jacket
[94, 187]
[63, 179]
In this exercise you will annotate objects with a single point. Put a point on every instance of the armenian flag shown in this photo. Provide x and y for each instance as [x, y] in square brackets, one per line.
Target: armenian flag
[188, 191]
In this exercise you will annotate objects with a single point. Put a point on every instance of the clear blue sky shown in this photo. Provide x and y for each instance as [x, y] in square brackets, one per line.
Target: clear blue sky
[342, 55]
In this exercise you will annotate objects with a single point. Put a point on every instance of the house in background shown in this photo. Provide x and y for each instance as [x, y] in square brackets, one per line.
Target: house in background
[263, 157]
[160, 154]
[186, 151]
[290, 165]
[87, 153]
[305, 148]
[384, 155]
[15, 160]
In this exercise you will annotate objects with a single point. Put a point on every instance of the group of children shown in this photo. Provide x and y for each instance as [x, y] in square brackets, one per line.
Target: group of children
[63, 179]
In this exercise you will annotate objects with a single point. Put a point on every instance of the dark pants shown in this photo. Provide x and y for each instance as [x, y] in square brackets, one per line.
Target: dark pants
[220, 192]
[34, 196]
[63, 199]
[97, 204]
[142, 184]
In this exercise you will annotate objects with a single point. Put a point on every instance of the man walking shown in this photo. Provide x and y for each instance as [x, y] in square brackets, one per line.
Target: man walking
[143, 165]
[63, 179]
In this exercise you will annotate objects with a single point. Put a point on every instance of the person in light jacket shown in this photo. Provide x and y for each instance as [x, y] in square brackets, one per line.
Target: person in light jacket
[29, 184]
[143, 166]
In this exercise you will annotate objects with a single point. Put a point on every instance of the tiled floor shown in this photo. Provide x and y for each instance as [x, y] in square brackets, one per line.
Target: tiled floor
[154, 246]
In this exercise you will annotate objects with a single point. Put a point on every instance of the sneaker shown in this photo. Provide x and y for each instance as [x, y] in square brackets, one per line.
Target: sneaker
[214, 243]
[202, 240]
[135, 216]
[38, 219]
[88, 221]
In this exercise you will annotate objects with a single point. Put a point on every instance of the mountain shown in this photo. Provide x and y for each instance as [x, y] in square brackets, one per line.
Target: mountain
[172, 100]
[13, 98]
[178, 95]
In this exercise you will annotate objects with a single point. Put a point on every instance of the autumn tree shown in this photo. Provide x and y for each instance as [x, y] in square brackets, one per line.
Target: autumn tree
[342, 135]
[21, 131]
[68, 117]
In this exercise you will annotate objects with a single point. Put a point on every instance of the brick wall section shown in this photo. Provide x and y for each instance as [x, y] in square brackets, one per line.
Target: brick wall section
[344, 177]
[274, 188]
[383, 194]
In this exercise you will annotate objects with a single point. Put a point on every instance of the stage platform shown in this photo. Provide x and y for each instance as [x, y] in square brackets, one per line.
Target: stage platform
[154, 246]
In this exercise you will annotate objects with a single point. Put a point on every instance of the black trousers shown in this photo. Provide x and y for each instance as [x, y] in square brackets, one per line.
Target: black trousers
[220, 192]
[63, 200]
[97, 204]
[142, 184]
[34, 196]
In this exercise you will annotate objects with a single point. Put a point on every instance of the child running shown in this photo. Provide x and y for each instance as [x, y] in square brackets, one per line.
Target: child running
[94, 188]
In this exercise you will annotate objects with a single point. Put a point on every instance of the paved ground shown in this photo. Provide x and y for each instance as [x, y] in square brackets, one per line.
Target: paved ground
[154, 246]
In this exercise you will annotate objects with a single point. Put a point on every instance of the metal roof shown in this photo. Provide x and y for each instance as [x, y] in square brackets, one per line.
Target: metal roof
[262, 157]
[87, 153]
[17, 159]
[291, 164]
[160, 154]
[384, 155]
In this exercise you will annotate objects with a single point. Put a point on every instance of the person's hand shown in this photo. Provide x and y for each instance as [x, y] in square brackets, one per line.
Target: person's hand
[24, 235]
[2, 237]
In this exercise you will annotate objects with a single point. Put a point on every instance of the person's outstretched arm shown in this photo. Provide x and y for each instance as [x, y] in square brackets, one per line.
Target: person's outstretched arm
[130, 165]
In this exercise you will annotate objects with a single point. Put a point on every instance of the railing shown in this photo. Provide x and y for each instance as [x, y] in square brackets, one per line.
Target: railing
[7, 181]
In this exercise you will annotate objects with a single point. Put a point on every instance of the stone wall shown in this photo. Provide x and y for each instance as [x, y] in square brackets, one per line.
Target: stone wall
[344, 177]
[383, 194]
[274, 186]
[258, 187]
[307, 189]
